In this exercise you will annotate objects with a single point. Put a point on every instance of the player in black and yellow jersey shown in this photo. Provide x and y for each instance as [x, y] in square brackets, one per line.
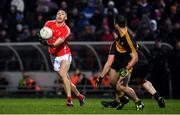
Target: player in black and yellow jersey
[122, 57]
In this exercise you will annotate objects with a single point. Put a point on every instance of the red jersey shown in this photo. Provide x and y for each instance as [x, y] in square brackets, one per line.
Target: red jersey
[58, 32]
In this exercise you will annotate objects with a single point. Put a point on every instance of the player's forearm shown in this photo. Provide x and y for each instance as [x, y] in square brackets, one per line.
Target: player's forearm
[56, 43]
[133, 61]
[106, 69]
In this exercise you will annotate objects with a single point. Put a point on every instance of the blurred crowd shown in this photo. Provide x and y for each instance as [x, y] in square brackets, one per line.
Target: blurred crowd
[91, 20]
[80, 78]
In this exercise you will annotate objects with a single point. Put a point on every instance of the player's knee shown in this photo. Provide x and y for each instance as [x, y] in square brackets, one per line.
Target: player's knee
[140, 81]
[120, 87]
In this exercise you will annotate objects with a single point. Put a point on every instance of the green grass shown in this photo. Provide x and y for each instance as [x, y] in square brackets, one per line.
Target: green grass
[93, 106]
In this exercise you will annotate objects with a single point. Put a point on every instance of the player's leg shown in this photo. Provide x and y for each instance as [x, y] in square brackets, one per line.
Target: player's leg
[61, 66]
[116, 101]
[114, 78]
[119, 95]
[120, 99]
[64, 68]
[147, 85]
[78, 94]
[122, 85]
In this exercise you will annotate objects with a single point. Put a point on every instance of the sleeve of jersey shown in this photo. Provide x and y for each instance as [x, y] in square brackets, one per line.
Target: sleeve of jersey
[66, 32]
[47, 24]
[112, 49]
[131, 44]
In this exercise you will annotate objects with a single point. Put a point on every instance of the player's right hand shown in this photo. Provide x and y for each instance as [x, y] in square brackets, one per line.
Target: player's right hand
[98, 81]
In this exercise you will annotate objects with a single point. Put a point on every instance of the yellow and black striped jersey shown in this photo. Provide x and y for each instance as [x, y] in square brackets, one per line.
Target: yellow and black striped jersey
[125, 43]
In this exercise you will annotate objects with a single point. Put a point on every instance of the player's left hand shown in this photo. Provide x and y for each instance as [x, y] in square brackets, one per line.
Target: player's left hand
[123, 72]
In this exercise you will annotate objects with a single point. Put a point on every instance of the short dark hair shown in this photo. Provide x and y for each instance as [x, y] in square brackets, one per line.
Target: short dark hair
[120, 20]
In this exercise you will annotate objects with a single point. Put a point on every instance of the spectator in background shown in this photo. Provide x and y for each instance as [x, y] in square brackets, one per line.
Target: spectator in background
[76, 77]
[88, 34]
[40, 20]
[58, 86]
[110, 9]
[33, 36]
[92, 80]
[45, 6]
[174, 36]
[89, 10]
[74, 15]
[173, 13]
[19, 5]
[82, 22]
[3, 85]
[4, 36]
[159, 68]
[64, 5]
[174, 66]
[144, 8]
[134, 21]
[74, 32]
[23, 33]
[110, 12]
[153, 30]
[97, 18]
[106, 81]
[147, 29]
[27, 83]
[106, 35]
[12, 21]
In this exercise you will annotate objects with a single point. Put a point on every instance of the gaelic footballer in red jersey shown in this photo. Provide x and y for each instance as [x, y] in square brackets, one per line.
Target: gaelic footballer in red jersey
[60, 34]
[60, 53]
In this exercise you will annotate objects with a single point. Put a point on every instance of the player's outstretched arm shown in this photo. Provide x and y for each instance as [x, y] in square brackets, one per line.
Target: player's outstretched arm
[105, 70]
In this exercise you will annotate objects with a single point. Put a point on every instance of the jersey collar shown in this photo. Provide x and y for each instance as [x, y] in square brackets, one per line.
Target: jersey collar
[61, 25]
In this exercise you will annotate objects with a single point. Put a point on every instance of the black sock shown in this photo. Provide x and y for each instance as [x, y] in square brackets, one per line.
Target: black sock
[123, 98]
[156, 96]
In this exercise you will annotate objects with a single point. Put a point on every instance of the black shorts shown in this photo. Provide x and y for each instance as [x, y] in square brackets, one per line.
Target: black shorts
[121, 60]
[141, 70]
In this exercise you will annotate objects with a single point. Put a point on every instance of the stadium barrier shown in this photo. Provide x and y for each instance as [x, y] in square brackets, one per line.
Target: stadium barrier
[33, 58]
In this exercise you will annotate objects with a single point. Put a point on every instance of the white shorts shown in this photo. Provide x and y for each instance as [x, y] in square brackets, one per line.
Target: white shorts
[56, 61]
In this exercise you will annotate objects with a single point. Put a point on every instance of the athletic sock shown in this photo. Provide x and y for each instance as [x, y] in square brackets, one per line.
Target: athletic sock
[69, 99]
[80, 96]
[123, 98]
[156, 96]
[136, 101]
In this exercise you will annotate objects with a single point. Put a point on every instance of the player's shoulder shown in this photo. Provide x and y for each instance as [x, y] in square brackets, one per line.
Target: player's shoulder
[50, 22]
[66, 26]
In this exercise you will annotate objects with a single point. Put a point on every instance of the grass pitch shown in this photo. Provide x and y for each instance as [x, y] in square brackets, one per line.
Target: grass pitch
[93, 106]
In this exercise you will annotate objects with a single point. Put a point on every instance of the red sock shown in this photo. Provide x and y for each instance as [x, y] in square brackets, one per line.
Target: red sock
[69, 98]
[80, 96]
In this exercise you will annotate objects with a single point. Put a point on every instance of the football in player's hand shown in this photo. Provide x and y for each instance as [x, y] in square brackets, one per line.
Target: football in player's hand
[46, 33]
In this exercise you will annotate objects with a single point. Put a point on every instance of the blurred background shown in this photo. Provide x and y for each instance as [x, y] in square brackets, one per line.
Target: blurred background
[25, 69]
